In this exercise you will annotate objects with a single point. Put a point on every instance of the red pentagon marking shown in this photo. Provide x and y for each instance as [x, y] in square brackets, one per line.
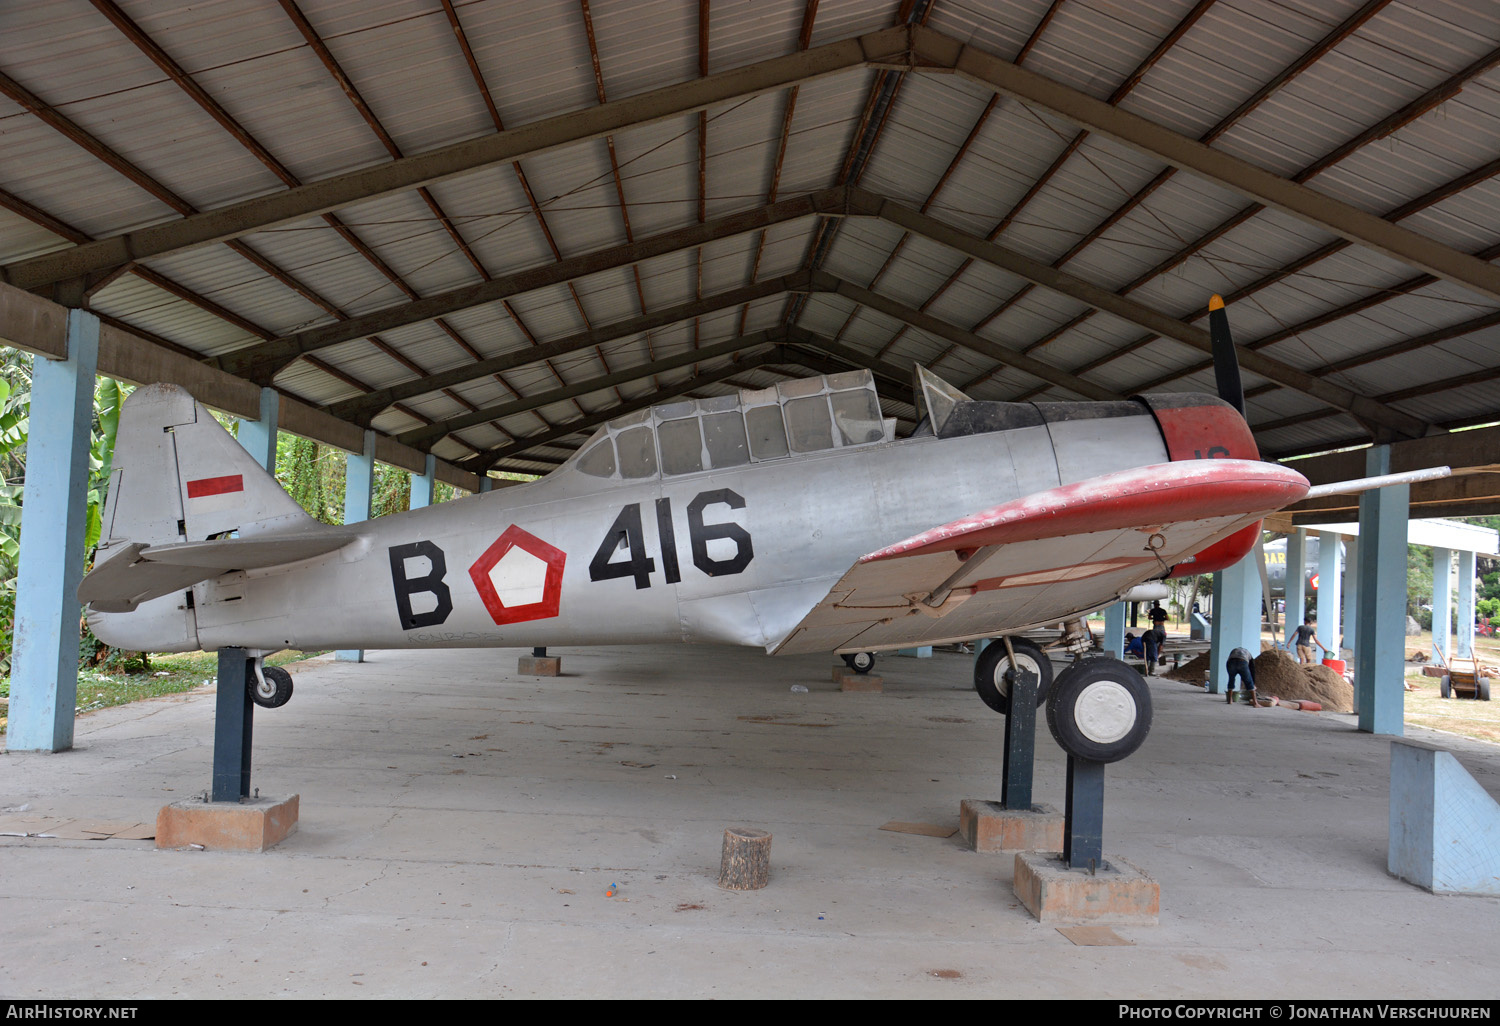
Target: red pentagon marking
[529, 584]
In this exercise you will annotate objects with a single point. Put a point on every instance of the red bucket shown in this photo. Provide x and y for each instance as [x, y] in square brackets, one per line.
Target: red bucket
[1336, 665]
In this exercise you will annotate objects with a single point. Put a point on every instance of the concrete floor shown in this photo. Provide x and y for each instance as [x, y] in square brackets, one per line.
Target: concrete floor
[460, 826]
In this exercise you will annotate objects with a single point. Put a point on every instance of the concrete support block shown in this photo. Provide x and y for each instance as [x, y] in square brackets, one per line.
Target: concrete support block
[848, 680]
[253, 824]
[1444, 827]
[540, 666]
[990, 827]
[1119, 894]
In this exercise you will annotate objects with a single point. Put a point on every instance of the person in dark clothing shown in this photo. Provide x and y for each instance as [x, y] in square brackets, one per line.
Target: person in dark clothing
[1307, 637]
[1133, 645]
[1158, 617]
[1238, 666]
[1151, 641]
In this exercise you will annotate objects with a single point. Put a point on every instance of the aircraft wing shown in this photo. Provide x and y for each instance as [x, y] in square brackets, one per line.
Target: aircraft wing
[139, 573]
[1041, 558]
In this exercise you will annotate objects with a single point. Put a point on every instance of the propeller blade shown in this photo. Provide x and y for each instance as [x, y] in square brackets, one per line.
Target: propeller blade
[1226, 363]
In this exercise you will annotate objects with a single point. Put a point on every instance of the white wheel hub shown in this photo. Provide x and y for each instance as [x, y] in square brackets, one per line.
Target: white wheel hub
[1104, 712]
[1023, 663]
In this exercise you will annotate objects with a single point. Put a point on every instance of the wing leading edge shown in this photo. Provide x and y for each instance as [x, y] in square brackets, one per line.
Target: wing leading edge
[1043, 557]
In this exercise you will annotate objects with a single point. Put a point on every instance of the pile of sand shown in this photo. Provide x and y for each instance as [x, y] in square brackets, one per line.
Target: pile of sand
[1277, 673]
[1190, 672]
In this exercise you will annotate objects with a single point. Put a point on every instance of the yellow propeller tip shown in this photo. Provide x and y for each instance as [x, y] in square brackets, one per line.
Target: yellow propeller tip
[1215, 302]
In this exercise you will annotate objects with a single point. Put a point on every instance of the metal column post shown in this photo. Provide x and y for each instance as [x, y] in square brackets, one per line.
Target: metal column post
[1330, 604]
[1236, 616]
[421, 487]
[486, 483]
[1114, 630]
[1379, 661]
[359, 492]
[1296, 581]
[233, 726]
[1083, 823]
[1019, 757]
[44, 667]
[259, 436]
[1442, 606]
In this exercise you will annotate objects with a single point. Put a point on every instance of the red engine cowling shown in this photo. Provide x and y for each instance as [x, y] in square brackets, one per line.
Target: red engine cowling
[1203, 427]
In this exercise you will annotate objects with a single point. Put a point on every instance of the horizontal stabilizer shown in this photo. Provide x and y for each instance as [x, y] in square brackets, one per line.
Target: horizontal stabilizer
[139, 573]
[1041, 558]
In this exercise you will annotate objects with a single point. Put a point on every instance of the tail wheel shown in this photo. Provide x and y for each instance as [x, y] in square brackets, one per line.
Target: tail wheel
[992, 668]
[1100, 710]
[860, 662]
[272, 689]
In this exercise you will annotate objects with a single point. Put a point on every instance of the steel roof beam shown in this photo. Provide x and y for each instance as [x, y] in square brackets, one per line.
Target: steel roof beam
[407, 173]
[263, 362]
[426, 437]
[365, 408]
[1238, 175]
[824, 282]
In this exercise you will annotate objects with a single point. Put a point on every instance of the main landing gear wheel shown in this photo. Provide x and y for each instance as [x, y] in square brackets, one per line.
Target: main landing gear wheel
[1099, 710]
[993, 665]
[272, 689]
[859, 662]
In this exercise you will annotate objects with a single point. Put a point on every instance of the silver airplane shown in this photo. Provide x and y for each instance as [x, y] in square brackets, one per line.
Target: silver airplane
[790, 519]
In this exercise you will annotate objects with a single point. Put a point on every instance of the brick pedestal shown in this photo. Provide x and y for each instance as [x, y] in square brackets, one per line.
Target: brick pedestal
[540, 666]
[990, 827]
[253, 824]
[1118, 894]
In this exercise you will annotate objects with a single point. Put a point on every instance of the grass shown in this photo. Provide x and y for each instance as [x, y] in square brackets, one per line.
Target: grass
[169, 675]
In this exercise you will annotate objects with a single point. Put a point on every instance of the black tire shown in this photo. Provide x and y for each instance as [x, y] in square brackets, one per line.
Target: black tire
[1100, 710]
[860, 662]
[993, 663]
[1483, 693]
[1445, 687]
[273, 689]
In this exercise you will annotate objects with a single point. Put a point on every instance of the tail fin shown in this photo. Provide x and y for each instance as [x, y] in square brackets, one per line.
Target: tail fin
[186, 504]
[178, 476]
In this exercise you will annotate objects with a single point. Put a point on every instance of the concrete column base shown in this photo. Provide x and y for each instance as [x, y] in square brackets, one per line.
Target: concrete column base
[848, 680]
[990, 827]
[253, 824]
[540, 666]
[1119, 894]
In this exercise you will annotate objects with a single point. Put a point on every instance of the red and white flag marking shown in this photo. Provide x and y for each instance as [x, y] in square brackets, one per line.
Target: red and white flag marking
[213, 494]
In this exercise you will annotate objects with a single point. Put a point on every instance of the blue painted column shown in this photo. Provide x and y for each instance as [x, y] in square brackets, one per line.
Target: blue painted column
[1463, 627]
[1351, 599]
[1442, 604]
[486, 483]
[1330, 591]
[359, 492]
[1296, 576]
[44, 667]
[1114, 630]
[421, 487]
[1380, 658]
[1237, 599]
[259, 436]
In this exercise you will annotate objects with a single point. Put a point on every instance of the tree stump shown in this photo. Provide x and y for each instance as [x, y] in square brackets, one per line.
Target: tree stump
[745, 864]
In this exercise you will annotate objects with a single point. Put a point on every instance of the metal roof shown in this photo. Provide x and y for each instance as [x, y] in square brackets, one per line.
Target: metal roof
[130, 120]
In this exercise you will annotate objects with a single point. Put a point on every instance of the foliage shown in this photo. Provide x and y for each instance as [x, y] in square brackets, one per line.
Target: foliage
[1418, 578]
